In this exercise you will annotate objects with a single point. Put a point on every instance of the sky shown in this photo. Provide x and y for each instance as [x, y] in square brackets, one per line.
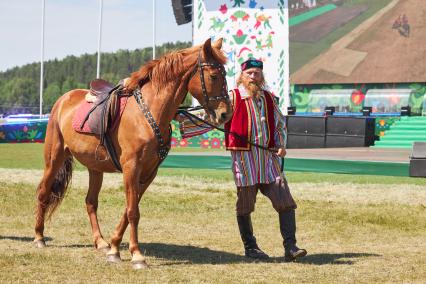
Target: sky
[71, 28]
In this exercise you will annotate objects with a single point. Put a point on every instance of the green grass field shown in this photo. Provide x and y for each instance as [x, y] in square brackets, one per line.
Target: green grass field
[362, 229]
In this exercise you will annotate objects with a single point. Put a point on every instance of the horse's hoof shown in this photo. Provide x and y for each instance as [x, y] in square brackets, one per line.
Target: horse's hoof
[39, 244]
[103, 249]
[113, 258]
[140, 264]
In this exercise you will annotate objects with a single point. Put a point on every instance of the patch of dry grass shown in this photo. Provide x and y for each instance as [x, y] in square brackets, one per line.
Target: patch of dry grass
[354, 233]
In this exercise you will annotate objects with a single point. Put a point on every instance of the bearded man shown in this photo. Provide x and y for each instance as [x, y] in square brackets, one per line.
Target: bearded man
[256, 120]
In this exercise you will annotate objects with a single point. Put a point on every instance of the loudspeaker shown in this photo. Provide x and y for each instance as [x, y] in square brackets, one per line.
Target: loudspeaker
[291, 110]
[350, 131]
[182, 10]
[300, 141]
[305, 132]
[340, 141]
[329, 110]
[366, 111]
[405, 111]
[306, 125]
[418, 160]
[345, 125]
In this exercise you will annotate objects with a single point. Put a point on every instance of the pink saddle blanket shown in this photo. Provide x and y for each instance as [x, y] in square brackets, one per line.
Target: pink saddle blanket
[93, 123]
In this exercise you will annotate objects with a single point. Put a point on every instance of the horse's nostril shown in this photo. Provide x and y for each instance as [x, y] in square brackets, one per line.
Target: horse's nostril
[223, 116]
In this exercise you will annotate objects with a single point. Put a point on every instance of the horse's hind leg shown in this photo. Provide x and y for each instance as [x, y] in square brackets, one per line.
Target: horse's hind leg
[95, 184]
[55, 180]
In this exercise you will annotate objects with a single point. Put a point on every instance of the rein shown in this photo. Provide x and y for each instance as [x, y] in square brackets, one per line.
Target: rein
[192, 118]
[186, 112]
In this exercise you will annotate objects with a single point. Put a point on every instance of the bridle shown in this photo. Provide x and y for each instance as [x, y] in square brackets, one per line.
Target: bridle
[223, 94]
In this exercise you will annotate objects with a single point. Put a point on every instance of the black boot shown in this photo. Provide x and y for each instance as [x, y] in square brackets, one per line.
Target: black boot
[288, 231]
[250, 245]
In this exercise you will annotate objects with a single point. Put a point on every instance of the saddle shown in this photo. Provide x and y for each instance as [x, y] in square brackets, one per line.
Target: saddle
[99, 87]
[100, 113]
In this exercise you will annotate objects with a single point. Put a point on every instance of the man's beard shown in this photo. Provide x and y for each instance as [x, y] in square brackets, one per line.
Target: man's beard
[253, 89]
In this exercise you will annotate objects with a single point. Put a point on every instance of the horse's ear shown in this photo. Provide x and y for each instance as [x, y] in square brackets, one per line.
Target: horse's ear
[207, 49]
[218, 43]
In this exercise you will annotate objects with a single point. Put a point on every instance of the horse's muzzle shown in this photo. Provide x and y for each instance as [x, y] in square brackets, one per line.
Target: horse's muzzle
[221, 116]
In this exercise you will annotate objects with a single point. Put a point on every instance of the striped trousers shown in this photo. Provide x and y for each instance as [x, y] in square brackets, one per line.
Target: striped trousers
[278, 192]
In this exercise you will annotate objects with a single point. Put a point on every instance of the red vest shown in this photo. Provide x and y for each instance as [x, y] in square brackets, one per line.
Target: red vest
[240, 123]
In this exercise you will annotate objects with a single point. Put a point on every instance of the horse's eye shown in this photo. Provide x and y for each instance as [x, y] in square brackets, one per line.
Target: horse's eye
[213, 77]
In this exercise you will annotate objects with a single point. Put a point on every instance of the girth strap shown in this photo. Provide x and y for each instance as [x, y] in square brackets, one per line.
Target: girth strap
[105, 138]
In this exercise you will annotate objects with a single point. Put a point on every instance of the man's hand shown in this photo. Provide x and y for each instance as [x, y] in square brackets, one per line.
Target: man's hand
[281, 152]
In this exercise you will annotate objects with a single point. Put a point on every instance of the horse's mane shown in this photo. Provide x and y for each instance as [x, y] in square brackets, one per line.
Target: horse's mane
[167, 68]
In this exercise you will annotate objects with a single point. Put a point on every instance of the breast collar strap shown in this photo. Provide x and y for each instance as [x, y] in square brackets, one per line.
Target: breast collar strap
[163, 149]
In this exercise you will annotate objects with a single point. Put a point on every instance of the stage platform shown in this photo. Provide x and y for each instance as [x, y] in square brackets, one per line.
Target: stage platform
[360, 160]
[353, 154]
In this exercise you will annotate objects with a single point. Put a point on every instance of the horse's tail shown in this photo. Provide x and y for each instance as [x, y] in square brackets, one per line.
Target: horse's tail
[59, 186]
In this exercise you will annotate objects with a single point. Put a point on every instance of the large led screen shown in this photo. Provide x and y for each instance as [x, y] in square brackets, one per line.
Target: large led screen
[357, 41]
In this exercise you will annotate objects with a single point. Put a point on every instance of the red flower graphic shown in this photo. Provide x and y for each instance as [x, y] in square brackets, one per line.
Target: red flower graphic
[205, 143]
[357, 97]
[183, 143]
[223, 9]
[215, 142]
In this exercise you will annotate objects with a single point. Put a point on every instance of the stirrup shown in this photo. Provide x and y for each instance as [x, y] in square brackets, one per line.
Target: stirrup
[97, 150]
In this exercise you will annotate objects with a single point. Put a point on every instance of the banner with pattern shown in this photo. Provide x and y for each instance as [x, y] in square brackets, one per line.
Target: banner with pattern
[250, 29]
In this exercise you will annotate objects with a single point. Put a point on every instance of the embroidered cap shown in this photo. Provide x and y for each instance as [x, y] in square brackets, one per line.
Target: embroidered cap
[251, 63]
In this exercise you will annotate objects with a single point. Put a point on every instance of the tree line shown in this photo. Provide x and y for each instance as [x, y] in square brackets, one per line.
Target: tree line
[20, 86]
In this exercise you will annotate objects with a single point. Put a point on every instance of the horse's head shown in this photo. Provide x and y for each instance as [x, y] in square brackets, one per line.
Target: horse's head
[208, 82]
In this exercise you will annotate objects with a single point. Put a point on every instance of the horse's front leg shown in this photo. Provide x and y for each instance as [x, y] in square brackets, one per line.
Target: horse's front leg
[130, 214]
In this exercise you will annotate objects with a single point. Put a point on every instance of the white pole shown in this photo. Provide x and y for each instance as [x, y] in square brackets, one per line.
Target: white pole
[287, 60]
[192, 21]
[194, 102]
[42, 57]
[98, 67]
[153, 29]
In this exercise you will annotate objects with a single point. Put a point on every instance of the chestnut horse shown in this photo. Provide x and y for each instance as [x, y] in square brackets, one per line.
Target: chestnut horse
[141, 139]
